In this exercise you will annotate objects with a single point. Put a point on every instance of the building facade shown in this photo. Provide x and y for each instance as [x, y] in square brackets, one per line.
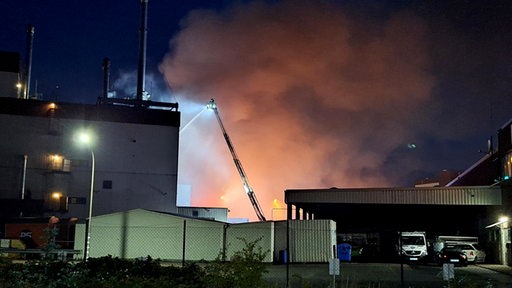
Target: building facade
[132, 161]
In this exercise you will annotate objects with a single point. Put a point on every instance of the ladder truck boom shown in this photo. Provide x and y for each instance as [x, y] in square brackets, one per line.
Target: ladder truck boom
[252, 197]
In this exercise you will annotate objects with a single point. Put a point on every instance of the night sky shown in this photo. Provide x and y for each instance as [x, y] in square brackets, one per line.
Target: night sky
[314, 94]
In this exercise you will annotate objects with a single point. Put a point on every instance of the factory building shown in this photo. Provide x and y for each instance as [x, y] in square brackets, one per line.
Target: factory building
[46, 170]
[58, 159]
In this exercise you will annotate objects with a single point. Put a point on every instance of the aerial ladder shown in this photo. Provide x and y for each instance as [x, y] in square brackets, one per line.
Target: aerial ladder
[252, 197]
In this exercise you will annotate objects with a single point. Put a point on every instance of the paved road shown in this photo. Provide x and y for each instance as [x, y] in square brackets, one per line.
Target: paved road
[388, 275]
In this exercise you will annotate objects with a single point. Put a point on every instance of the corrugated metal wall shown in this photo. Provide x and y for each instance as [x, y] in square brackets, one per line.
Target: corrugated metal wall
[263, 232]
[140, 233]
[474, 195]
[310, 240]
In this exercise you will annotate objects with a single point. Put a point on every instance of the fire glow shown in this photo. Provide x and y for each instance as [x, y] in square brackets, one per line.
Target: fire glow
[309, 101]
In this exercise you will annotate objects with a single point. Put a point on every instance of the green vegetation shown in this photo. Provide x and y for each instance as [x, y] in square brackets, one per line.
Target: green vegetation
[244, 270]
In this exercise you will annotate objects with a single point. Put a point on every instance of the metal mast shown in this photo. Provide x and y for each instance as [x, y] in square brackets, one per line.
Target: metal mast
[141, 73]
[212, 105]
[28, 69]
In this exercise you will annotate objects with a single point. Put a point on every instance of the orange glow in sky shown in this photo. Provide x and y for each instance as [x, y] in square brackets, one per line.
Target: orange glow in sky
[309, 97]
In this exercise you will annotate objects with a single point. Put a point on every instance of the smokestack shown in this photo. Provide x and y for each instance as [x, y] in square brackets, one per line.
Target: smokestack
[106, 79]
[28, 68]
[142, 49]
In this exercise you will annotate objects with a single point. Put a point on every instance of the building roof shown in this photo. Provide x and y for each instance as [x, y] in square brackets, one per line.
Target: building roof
[468, 195]
[484, 172]
[110, 112]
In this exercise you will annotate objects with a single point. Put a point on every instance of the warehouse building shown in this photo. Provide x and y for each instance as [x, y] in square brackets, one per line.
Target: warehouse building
[476, 202]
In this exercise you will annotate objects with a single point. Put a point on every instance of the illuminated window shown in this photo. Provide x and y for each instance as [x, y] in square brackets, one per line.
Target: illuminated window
[57, 202]
[57, 162]
[56, 195]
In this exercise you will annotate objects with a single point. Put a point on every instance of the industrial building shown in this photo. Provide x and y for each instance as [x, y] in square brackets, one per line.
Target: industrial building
[476, 202]
[46, 169]
[59, 158]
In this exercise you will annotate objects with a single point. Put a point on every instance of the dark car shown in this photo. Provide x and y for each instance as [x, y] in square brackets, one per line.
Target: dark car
[452, 255]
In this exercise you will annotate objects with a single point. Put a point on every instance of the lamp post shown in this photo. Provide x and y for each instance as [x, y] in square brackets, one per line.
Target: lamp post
[91, 196]
[503, 239]
[86, 139]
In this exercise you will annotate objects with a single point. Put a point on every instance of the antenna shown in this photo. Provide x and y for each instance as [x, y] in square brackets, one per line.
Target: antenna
[142, 49]
[28, 69]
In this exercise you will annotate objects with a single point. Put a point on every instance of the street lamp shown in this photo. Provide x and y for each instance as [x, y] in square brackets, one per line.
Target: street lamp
[501, 220]
[85, 138]
[503, 238]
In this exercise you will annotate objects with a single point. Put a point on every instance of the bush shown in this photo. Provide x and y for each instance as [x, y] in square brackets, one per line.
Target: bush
[46, 274]
[244, 270]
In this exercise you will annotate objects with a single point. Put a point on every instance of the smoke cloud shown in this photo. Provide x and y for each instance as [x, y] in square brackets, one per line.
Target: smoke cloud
[125, 87]
[310, 96]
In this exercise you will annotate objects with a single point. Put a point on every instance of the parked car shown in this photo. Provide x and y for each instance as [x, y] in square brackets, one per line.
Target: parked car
[474, 252]
[452, 255]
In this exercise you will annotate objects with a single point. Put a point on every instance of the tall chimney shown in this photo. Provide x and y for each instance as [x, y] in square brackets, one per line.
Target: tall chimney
[106, 79]
[142, 49]
[28, 68]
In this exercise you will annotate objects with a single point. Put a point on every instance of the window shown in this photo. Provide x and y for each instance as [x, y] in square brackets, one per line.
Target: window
[107, 184]
[507, 166]
[55, 162]
[66, 165]
[77, 200]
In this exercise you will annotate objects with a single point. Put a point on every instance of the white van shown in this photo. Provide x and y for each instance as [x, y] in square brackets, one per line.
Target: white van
[413, 246]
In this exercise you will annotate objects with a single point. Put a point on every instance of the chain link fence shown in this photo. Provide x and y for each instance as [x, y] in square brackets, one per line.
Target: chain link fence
[181, 240]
